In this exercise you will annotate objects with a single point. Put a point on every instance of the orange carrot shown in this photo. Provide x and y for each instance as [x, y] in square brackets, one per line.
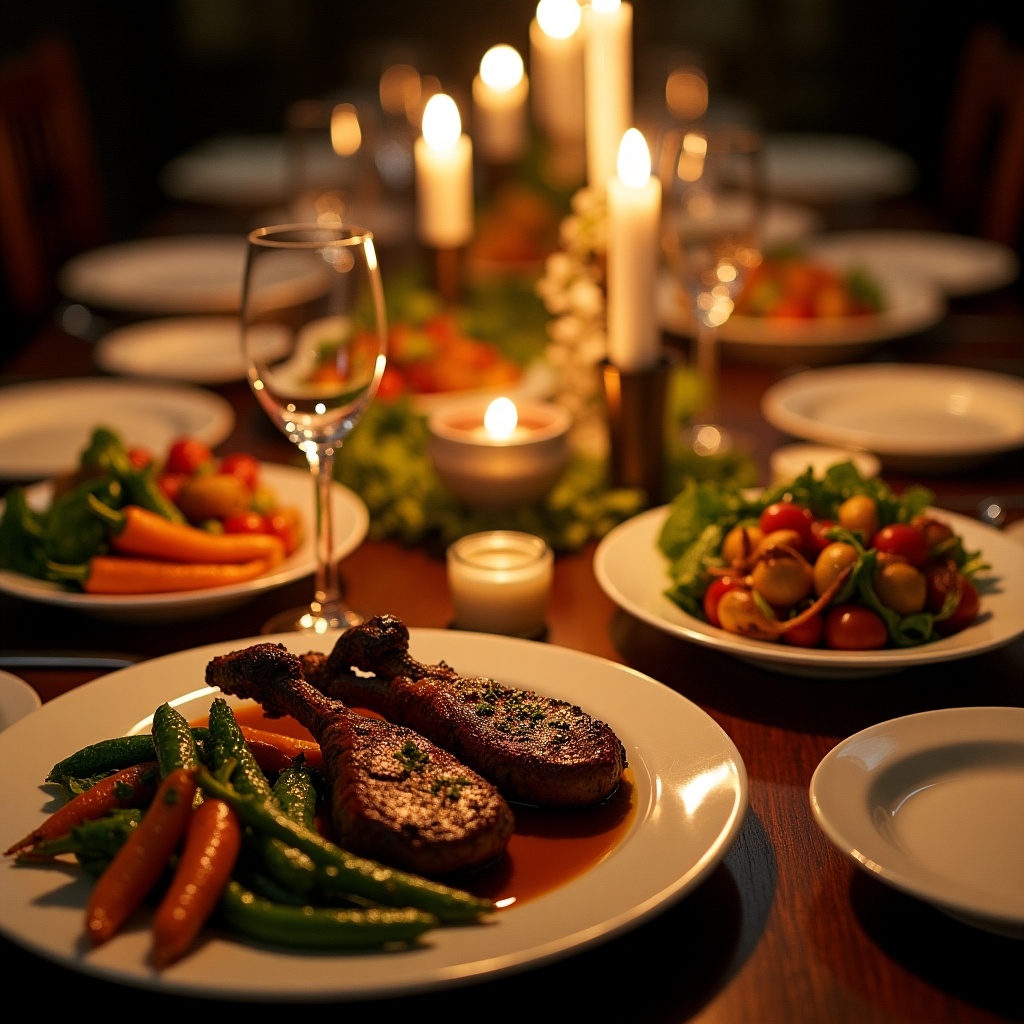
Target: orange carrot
[109, 574]
[212, 845]
[138, 531]
[139, 863]
[131, 787]
[274, 751]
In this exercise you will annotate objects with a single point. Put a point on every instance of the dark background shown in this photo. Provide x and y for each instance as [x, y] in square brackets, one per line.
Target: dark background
[161, 75]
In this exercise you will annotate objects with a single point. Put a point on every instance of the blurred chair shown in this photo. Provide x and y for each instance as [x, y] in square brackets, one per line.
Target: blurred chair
[981, 184]
[51, 197]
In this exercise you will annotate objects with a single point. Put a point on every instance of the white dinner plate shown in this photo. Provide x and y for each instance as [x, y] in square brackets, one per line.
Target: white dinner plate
[17, 699]
[913, 417]
[830, 168]
[293, 487]
[933, 805]
[958, 264]
[171, 274]
[200, 349]
[45, 425]
[690, 798]
[633, 572]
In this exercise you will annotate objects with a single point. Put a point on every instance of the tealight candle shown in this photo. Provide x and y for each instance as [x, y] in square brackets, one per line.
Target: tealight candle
[499, 104]
[634, 210]
[495, 454]
[556, 70]
[500, 582]
[443, 158]
[608, 85]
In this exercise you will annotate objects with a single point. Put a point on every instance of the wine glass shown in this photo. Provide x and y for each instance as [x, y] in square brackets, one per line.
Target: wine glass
[713, 200]
[314, 334]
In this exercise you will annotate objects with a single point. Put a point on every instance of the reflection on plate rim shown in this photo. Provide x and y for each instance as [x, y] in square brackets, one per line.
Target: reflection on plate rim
[17, 698]
[196, 602]
[777, 407]
[642, 532]
[217, 409]
[840, 796]
[677, 839]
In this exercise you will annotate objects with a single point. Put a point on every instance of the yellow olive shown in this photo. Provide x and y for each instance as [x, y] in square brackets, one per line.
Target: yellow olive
[740, 543]
[779, 538]
[834, 558]
[739, 613]
[900, 586]
[212, 496]
[859, 513]
[782, 580]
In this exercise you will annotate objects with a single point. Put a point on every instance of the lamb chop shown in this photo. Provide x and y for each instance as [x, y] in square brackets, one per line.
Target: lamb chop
[395, 796]
[536, 750]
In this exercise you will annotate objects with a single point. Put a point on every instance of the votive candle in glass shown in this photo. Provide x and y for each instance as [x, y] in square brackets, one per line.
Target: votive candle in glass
[500, 582]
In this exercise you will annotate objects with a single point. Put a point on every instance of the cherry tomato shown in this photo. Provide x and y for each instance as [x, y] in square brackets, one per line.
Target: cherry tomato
[286, 523]
[186, 455]
[171, 484]
[787, 515]
[819, 540]
[246, 522]
[940, 580]
[900, 586]
[851, 627]
[903, 540]
[807, 634]
[140, 458]
[718, 586]
[859, 512]
[392, 383]
[244, 466]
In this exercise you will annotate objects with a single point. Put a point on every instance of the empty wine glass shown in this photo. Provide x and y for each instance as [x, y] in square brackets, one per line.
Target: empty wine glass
[314, 332]
[713, 199]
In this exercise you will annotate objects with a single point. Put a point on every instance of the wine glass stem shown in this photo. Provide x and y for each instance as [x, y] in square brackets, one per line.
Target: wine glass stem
[328, 588]
[707, 370]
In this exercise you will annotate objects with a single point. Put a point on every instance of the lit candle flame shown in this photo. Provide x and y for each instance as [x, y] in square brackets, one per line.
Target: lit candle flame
[501, 68]
[346, 135]
[442, 125]
[559, 19]
[634, 163]
[501, 419]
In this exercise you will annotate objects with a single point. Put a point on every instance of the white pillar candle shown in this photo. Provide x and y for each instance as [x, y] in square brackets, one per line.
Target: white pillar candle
[500, 582]
[556, 70]
[500, 93]
[634, 211]
[608, 85]
[444, 177]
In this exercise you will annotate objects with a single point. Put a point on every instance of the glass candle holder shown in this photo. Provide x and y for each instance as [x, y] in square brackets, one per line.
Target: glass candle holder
[500, 582]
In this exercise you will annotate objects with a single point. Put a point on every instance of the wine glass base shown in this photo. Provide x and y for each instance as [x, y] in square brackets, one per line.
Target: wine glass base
[310, 621]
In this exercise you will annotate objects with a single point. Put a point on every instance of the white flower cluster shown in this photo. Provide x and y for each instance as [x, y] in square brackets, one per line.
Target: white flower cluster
[573, 291]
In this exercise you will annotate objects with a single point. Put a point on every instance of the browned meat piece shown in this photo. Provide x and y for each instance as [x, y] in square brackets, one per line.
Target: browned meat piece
[395, 796]
[535, 749]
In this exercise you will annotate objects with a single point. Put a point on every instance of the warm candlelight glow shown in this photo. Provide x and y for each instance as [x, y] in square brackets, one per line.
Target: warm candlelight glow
[559, 19]
[608, 85]
[605, 6]
[501, 68]
[501, 419]
[442, 125]
[634, 162]
[346, 135]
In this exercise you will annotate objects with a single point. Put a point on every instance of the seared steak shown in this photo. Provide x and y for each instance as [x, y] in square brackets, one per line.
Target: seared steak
[395, 796]
[535, 749]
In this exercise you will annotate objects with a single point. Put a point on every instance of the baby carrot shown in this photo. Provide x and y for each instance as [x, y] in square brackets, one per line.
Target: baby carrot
[212, 845]
[138, 865]
[275, 751]
[131, 787]
[110, 574]
[138, 531]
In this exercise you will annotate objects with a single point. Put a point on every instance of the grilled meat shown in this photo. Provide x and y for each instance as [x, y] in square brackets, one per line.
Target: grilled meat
[395, 796]
[535, 749]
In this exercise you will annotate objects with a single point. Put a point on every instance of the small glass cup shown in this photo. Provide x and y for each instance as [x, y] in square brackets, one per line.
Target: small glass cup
[500, 582]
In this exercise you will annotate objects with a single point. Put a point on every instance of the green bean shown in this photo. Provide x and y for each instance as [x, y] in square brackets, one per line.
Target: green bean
[295, 791]
[320, 927]
[112, 754]
[289, 867]
[227, 743]
[173, 741]
[93, 843]
[343, 870]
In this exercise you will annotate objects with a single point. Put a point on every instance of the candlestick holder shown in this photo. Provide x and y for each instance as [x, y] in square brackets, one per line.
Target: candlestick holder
[635, 402]
[447, 273]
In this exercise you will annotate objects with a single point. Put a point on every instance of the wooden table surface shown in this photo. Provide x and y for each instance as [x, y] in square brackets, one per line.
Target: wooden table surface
[784, 929]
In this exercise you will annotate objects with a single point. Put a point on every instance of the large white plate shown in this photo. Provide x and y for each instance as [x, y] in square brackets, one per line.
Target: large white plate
[933, 805]
[958, 264]
[908, 415]
[17, 699]
[912, 304]
[690, 798]
[200, 349]
[830, 168]
[293, 487]
[45, 425]
[170, 274]
[632, 571]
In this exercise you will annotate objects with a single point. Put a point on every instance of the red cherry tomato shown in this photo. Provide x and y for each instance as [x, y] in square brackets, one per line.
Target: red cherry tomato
[716, 588]
[787, 515]
[286, 524]
[171, 484]
[243, 465]
[940, 579]
[819, 540]
[851, 627]
[140, 458]
[392, 383]
[186, 455]
[904, 541]
[246, 522]
[807, 634]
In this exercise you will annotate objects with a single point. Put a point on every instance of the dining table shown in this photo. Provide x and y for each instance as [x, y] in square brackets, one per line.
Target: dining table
[785, 928]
